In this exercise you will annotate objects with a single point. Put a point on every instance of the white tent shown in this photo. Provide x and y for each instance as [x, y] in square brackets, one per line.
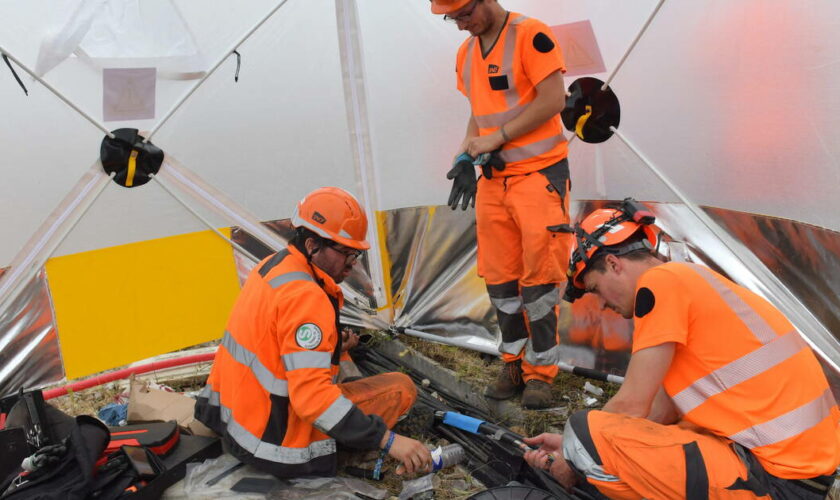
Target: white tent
[736, 103]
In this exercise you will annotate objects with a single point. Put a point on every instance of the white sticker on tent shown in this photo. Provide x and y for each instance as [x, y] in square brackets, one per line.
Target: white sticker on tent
[128, 93]
[580, 48]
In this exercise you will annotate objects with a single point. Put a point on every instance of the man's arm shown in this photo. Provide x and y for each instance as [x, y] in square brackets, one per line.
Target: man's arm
[472, 131]
[550, 100]
[644, 378]
[663, 410]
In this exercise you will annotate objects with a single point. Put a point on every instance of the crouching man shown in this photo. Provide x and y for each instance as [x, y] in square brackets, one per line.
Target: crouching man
[722, 398]
[272, 393]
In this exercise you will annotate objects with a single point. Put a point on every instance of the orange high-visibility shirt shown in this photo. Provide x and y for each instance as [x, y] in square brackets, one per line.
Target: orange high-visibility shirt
[501, 83]
[740, 369]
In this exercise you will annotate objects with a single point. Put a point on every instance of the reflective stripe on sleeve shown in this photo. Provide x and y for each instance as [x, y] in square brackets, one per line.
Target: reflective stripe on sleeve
[306, 359]
[754, 322]
[739, 370]
[466, 74]
[788, 425]
[281, 280]
[245, 357]
[333, 415]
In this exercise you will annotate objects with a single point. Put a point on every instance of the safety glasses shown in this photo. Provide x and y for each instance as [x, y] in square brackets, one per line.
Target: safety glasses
[463, 15]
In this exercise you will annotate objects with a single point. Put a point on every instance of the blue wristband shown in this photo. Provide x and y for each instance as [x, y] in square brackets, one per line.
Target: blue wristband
[377, 469]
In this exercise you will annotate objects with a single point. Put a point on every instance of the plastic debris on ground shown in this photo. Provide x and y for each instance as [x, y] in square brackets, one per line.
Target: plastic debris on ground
[224, 477]
[590, 401]
[113, 414]
[416, 489]
[593, 389]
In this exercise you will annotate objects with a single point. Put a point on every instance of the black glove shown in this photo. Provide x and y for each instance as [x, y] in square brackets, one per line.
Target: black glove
[464, 183]
[489, 161]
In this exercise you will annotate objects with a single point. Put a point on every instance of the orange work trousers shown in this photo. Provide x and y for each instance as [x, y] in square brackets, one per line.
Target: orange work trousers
[632, 458]
[524, 265]
[388, 395]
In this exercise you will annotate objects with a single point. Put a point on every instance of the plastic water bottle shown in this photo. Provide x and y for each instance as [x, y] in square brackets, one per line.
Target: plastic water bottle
[449, 455]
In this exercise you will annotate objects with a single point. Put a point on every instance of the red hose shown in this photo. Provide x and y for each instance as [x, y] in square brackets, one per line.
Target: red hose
[126, 372]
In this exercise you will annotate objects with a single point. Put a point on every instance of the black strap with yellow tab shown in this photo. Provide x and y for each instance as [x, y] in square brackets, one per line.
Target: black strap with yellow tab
[130, 159]
[590, 111]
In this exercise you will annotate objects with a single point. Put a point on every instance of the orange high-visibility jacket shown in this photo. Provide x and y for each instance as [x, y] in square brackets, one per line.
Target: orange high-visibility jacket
[502, 83]
[272, 391]
[740, 369]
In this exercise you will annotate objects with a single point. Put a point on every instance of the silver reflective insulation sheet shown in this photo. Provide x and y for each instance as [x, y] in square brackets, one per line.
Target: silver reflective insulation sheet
[434, 292]
[29, 354]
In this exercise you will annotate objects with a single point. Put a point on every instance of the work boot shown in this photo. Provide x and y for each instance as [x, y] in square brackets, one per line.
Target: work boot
[508, 383]
[537, 395]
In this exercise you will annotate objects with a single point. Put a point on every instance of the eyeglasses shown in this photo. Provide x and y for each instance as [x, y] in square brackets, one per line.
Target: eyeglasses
[350, 254]
[464, 15]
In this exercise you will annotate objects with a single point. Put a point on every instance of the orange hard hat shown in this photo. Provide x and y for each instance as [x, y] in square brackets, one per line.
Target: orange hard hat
[609, 227]
[447, 6]
[334, 214]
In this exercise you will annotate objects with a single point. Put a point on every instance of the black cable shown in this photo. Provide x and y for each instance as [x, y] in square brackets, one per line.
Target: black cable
[9, 64]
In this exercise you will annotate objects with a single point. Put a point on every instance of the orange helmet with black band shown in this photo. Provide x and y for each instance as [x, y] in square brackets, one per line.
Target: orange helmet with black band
[334, 214]
[604, 231]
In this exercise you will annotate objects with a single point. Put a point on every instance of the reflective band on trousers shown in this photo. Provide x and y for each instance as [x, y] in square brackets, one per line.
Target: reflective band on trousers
[267, 451]
[788, 425]
[739, 370]
[544, 358]
[333, 415]
[508, 305]
[544, 305]
[574, 451]
[513, 347]
[243, 356]
[281, 280]
[306, 359]
[531, 150]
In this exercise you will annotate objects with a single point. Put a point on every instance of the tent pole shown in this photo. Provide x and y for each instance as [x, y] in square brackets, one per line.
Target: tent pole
[632, 45]
[353, 77]
[789, 305]
[58, 94]
[52, 233]
[207, 223]
[212, 70]
[178, 175]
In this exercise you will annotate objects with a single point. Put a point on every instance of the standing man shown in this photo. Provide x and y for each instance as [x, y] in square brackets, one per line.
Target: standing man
[511, 70]
[756, 415]
[272, 393]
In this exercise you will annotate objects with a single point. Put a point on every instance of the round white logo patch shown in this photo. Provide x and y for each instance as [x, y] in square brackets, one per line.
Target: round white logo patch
[308, 336]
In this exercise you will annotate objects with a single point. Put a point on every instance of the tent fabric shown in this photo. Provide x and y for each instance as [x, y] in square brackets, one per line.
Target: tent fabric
[737, 102]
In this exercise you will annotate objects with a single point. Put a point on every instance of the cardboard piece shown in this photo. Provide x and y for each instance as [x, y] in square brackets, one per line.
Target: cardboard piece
[146, 404]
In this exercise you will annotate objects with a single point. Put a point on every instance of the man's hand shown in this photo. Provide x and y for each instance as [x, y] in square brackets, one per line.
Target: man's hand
[550, 444]
[463, 182]
[349, 339]
[413, 454]
[474, 146]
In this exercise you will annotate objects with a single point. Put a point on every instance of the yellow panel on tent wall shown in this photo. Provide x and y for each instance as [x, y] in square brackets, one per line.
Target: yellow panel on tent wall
[121, 304]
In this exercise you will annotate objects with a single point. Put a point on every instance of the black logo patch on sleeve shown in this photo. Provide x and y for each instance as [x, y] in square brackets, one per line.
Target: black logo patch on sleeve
[543, 43]
[499, 82]
[644, 301]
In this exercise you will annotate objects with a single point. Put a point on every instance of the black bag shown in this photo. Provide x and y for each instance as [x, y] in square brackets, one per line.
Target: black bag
[72, 476]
